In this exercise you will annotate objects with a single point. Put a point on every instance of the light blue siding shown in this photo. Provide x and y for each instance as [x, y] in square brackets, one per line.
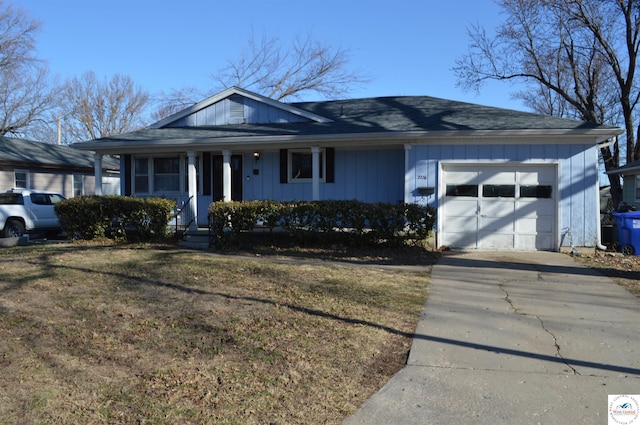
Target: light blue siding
[629, 190]
[253, 113]
[577, 179]
[579, 209]
[368, 176]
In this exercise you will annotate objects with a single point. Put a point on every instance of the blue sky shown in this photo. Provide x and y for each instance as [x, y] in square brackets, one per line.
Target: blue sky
[408, 47]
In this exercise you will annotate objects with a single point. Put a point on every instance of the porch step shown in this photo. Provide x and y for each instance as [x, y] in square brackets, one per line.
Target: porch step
[195, 239]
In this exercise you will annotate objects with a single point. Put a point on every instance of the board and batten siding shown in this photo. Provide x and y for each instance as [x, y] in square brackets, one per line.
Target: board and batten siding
[577, 178]
[237, 110]
[364, 175]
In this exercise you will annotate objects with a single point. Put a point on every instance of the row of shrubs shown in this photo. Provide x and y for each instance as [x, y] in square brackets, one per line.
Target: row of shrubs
[230, 223]
[115, 217]
[356, 222]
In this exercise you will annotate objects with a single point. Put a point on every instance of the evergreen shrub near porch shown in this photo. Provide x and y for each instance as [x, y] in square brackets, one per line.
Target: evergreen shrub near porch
[115, 217]
[353, 222]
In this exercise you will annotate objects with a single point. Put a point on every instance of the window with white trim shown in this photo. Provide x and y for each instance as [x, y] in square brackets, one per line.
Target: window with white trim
[301, 165]
[141, 175]
[21, 179]
[78, 185]
[161, 175]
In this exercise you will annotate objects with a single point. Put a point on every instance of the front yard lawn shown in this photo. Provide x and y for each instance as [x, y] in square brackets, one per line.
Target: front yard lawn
[98, 333]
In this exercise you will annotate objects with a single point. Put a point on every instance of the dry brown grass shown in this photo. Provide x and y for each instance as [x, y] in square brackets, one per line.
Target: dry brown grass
[151, 334]
[623, 269]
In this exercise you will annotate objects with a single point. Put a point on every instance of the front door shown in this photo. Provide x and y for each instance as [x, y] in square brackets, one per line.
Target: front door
[236, 177]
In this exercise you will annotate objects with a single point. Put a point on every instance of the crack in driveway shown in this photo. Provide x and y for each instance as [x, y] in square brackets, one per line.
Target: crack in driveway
[516, 310]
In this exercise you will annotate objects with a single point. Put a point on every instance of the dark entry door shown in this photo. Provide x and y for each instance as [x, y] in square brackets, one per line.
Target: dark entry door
[236, 178]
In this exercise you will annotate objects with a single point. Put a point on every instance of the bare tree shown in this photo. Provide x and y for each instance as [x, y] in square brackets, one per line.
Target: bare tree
[578, 55]
[176, 100]
[92, 108]
[25, 93]
[279, 72]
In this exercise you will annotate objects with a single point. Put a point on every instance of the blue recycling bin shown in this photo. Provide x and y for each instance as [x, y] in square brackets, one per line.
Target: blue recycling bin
[629, 231]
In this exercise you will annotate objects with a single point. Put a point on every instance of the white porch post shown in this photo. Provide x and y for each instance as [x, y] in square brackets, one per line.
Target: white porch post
[226, 175]
[97, 168]
[315, 172]
[193, 193]
[407, 173]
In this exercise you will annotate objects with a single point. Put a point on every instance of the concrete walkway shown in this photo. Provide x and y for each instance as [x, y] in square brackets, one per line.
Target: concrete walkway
[514, 338]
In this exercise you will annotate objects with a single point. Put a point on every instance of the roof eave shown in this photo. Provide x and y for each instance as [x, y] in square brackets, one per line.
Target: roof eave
[112, 146]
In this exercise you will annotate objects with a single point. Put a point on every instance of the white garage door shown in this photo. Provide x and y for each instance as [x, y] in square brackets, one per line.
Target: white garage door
[499, 207]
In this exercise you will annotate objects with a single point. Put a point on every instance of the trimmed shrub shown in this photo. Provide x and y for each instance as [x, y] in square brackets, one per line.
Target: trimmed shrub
[353, 222]
[115, 217]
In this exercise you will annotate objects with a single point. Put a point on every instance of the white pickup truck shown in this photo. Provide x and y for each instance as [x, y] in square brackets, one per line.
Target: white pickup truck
[23, 211]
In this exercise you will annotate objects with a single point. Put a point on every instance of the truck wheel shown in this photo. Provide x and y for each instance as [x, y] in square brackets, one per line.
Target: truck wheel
[13, 229]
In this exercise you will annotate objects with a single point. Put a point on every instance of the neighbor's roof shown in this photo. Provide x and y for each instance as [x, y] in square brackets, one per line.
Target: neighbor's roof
[630, 169]
[25, 153]
[382, 118]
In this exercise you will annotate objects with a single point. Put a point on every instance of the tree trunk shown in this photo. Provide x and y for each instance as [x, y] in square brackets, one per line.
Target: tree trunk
[612, 161]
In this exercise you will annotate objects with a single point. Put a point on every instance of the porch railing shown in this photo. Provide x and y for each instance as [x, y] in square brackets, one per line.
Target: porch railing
[183, 217]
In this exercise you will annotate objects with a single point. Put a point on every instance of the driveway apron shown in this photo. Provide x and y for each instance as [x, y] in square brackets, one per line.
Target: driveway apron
[514, 338]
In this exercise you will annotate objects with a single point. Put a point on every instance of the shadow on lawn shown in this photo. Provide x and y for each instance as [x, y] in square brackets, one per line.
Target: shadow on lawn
[50, 266]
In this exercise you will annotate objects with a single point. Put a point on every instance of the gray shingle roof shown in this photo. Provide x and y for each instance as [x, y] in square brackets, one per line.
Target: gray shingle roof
[408, 113]
[24, 152]
[381, 115]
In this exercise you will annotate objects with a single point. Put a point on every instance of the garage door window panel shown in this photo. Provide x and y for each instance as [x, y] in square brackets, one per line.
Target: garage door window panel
[499, 191]
[536, 191]
[464, 190]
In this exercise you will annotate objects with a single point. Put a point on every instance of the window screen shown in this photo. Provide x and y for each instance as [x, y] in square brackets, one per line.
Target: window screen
[166, 174]
[141, 179]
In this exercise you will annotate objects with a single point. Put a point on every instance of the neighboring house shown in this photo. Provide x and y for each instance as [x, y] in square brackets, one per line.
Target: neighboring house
[630, 174]
[42, 166]
[500, 179]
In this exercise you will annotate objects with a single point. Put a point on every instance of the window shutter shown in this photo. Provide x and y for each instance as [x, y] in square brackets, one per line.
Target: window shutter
[217, 178]
[284, 157]
[127, 175]
[330, 165]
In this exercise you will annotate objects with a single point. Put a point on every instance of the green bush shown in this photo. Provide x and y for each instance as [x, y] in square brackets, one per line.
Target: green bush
[354, 222]
[115, 217]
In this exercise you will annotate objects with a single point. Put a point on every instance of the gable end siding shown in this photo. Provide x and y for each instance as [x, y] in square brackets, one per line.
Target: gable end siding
[237, 110]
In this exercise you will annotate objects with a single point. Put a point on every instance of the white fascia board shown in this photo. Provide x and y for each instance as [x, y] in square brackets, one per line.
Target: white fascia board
[454, 137]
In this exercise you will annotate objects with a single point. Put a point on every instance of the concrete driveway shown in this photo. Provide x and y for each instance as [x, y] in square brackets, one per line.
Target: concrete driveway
[515, 338]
